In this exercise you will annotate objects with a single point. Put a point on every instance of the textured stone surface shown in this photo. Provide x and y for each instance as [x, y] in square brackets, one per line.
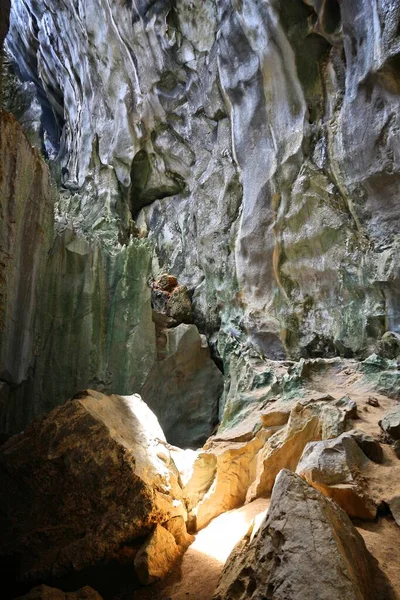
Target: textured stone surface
[101, 468]
[334, 468]
[391, 423]
[306, 547]
[368, 444]
[157, 556]
[183, 386]
[239, 125]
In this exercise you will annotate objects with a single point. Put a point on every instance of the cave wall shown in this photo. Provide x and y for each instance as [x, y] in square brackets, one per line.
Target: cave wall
[249, 148]
[231, 132]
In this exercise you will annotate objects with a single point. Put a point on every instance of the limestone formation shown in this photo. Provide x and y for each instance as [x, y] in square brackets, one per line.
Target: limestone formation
[306, 547]
[236, 147]
[308, 421]
[93, 475]
[183, 386]
[334, 467]
[26, 236]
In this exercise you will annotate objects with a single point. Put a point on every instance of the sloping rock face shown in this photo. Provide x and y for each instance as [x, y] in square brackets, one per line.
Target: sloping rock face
[93, 475]
[232, 133]
[183, 386]
[306, 547]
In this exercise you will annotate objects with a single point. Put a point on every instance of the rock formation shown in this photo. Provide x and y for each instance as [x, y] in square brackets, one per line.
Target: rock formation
[306, 547]
[199, 205]
[102, 469]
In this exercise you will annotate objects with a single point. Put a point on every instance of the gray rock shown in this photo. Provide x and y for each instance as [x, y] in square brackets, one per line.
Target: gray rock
[306, 547]
[370, 447]
[333, 467]
[391, 423]
[237, 149]
[394, 505]
[183, 386]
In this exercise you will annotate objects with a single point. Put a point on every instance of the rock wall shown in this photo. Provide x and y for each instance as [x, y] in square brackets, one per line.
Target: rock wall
[232, 132]
[26, 236]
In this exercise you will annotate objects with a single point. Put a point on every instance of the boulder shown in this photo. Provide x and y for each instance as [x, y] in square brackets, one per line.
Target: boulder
[389, 345]
[184, 386]
[94, 474]
[391, 423]
[333, 467]
[220, 479]
[171, 299]
[306, 547]
[309, 420]
[43, 592]
[371, 447]
[157, 556]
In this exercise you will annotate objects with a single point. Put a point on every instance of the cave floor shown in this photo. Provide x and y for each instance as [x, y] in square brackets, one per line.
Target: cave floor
[197, 576]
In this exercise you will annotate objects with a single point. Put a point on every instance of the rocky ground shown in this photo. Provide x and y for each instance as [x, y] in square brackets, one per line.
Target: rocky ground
[120, 499]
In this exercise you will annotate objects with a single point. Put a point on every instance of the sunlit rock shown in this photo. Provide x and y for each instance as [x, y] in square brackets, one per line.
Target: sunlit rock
[95, 474]
[157, 557]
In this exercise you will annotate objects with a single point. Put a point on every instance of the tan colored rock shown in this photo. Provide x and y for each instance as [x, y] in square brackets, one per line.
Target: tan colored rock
[157, 557]
[309, 420]
[80, 483]
[43, 592]
[235, 469]
[334, 467]
[177, 527]
[275, 418]
[305, 548]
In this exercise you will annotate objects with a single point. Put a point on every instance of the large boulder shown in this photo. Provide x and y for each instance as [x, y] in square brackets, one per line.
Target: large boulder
[333, 467]
[93, 475]
[157, 556]
[306, 547]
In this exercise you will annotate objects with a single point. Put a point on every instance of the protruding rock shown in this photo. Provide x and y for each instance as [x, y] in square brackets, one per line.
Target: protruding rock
[371, 447]
[391, 423]
[177, 527]
[43, 592]
[103, 471]
[389, 345]
[308, 421]
[157, 557]
[306, 547]
[171, 299]
[394, 505]
[333, 467]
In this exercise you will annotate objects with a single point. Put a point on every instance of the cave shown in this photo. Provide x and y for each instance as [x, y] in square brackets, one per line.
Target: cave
[199, 300]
